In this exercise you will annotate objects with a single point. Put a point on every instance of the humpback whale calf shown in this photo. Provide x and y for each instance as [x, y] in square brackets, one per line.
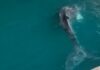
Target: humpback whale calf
[67, 14]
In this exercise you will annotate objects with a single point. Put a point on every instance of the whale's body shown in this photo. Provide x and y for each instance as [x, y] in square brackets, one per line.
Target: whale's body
[78, 55]
[67, 14]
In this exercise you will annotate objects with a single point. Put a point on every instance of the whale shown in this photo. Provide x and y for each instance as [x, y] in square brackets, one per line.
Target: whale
[67, 14]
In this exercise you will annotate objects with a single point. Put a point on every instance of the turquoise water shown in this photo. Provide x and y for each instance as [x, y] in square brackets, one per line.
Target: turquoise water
[32, 39]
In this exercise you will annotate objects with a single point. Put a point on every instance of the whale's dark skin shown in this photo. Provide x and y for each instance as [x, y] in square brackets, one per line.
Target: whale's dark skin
[66, 26]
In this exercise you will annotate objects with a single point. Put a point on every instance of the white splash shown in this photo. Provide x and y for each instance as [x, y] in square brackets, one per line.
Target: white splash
[96, 68]
[79, 17]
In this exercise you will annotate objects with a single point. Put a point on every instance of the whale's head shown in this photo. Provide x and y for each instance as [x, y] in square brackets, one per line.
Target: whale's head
[72, 12]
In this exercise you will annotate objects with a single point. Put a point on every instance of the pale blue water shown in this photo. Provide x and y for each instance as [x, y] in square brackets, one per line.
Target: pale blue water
[32, 39]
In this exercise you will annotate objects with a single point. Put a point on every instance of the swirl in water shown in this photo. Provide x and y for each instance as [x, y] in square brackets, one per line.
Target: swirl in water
[67, 14]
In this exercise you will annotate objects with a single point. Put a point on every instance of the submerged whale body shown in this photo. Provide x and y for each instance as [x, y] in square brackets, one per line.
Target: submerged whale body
[78, 55]
[67, 14]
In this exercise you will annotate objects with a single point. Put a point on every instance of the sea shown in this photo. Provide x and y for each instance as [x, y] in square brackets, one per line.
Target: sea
[31, 37]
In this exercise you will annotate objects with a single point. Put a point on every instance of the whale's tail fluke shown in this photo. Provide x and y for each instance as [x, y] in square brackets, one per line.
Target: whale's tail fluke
[78, 56]
[75, 58]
